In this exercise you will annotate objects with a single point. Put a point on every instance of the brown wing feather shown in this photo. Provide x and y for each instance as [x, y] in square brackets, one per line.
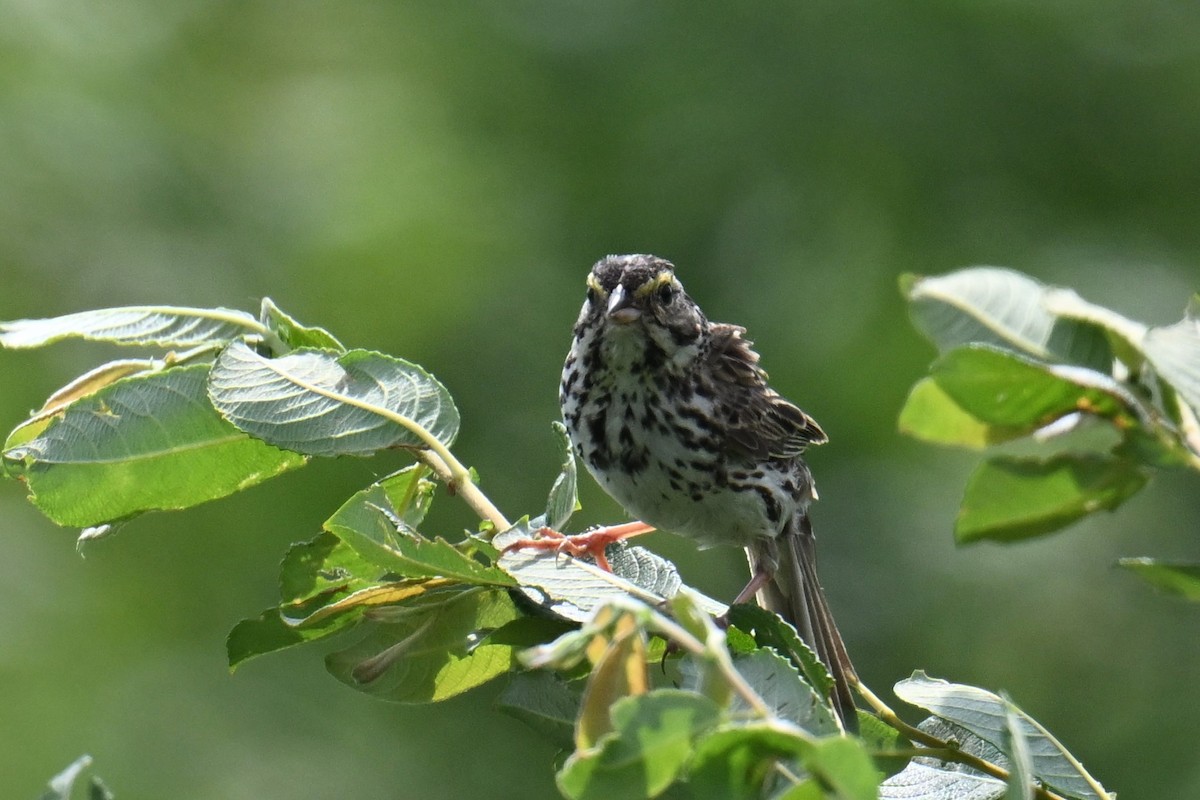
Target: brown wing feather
[761, 423]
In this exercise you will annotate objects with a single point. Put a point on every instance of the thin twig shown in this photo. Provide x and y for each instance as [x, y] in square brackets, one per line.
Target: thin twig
[460, 483]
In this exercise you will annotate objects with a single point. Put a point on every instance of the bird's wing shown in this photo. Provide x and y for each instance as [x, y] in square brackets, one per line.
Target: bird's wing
[760, 422]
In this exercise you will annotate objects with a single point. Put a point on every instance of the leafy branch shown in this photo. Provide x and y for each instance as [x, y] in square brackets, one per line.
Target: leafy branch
[732, 712]
[1074, 406]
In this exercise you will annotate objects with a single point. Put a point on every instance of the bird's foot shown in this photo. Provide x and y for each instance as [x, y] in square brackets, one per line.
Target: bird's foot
[589, 543]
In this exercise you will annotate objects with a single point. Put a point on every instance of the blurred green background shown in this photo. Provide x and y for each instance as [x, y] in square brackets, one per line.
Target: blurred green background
[434, 179]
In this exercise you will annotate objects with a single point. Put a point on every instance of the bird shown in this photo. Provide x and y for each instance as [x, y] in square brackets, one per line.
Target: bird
[673, 416]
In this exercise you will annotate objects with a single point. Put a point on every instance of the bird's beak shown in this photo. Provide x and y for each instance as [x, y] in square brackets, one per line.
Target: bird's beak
[621, 308]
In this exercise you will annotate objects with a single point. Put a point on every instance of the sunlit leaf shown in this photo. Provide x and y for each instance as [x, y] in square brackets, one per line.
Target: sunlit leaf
[1174, 350]
[992, 305]
[314, 578]
[379, 524]
[573, 589]
[808, 789]
[564, 499]
[320, 403]
[294, 334]
[306, 614]
[1125, 335]
[323, 613]
[1008, 499]
[1016, 747]
[149, 442]
[164, 326]
[1180, 579]
[322, 564]
[999, 387]
[886, 745]
[919, 781]
[986, 715]
[931, 415]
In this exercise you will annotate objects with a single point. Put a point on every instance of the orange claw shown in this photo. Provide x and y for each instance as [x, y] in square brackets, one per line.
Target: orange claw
[590, 543]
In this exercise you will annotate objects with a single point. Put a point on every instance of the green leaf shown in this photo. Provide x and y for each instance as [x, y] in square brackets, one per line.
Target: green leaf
[744, 762]
[1020, 768]
[326, 586]
[164, 326]
[1126, 336]
[437, 649]
[317, 579]
[651, 741]
[940, 780]
[293, 334]
[788, 696]
[270, 632]
[1002, 388]
[882, 742]
[986, 715]
[382, 601]
[620, 669]
[379, 523]
[149, 442]
[572, 588]
[931, 415]
[1174, 350]
[544, 702]
[805, 790]
[1180, 579]
[1008, 499]
[1079, 434]
[843, 765]
[322, 565]
[330, 404]
[769, 630]
[740, 763]
[564, 498]
[944, 782]
[991, 305]
[87, 384]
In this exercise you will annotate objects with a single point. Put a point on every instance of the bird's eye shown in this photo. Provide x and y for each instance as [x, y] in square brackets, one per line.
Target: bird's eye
[666, 293]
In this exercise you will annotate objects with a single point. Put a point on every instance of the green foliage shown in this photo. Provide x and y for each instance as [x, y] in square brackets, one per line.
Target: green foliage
[627, 669]
[1075, 406]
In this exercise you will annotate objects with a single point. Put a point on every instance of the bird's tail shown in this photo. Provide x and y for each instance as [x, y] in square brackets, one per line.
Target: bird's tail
[795, 593]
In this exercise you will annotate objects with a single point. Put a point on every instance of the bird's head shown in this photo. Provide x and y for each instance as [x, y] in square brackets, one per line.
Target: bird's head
[639, 296]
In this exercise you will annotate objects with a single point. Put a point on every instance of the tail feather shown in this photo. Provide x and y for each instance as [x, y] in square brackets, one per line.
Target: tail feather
[795, 593]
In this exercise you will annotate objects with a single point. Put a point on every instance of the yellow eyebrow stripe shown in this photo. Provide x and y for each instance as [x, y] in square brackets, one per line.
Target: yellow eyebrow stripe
[594, 284]
[655, 283]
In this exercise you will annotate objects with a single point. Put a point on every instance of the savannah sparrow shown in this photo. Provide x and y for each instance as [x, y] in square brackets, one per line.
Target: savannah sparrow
[672, 415]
